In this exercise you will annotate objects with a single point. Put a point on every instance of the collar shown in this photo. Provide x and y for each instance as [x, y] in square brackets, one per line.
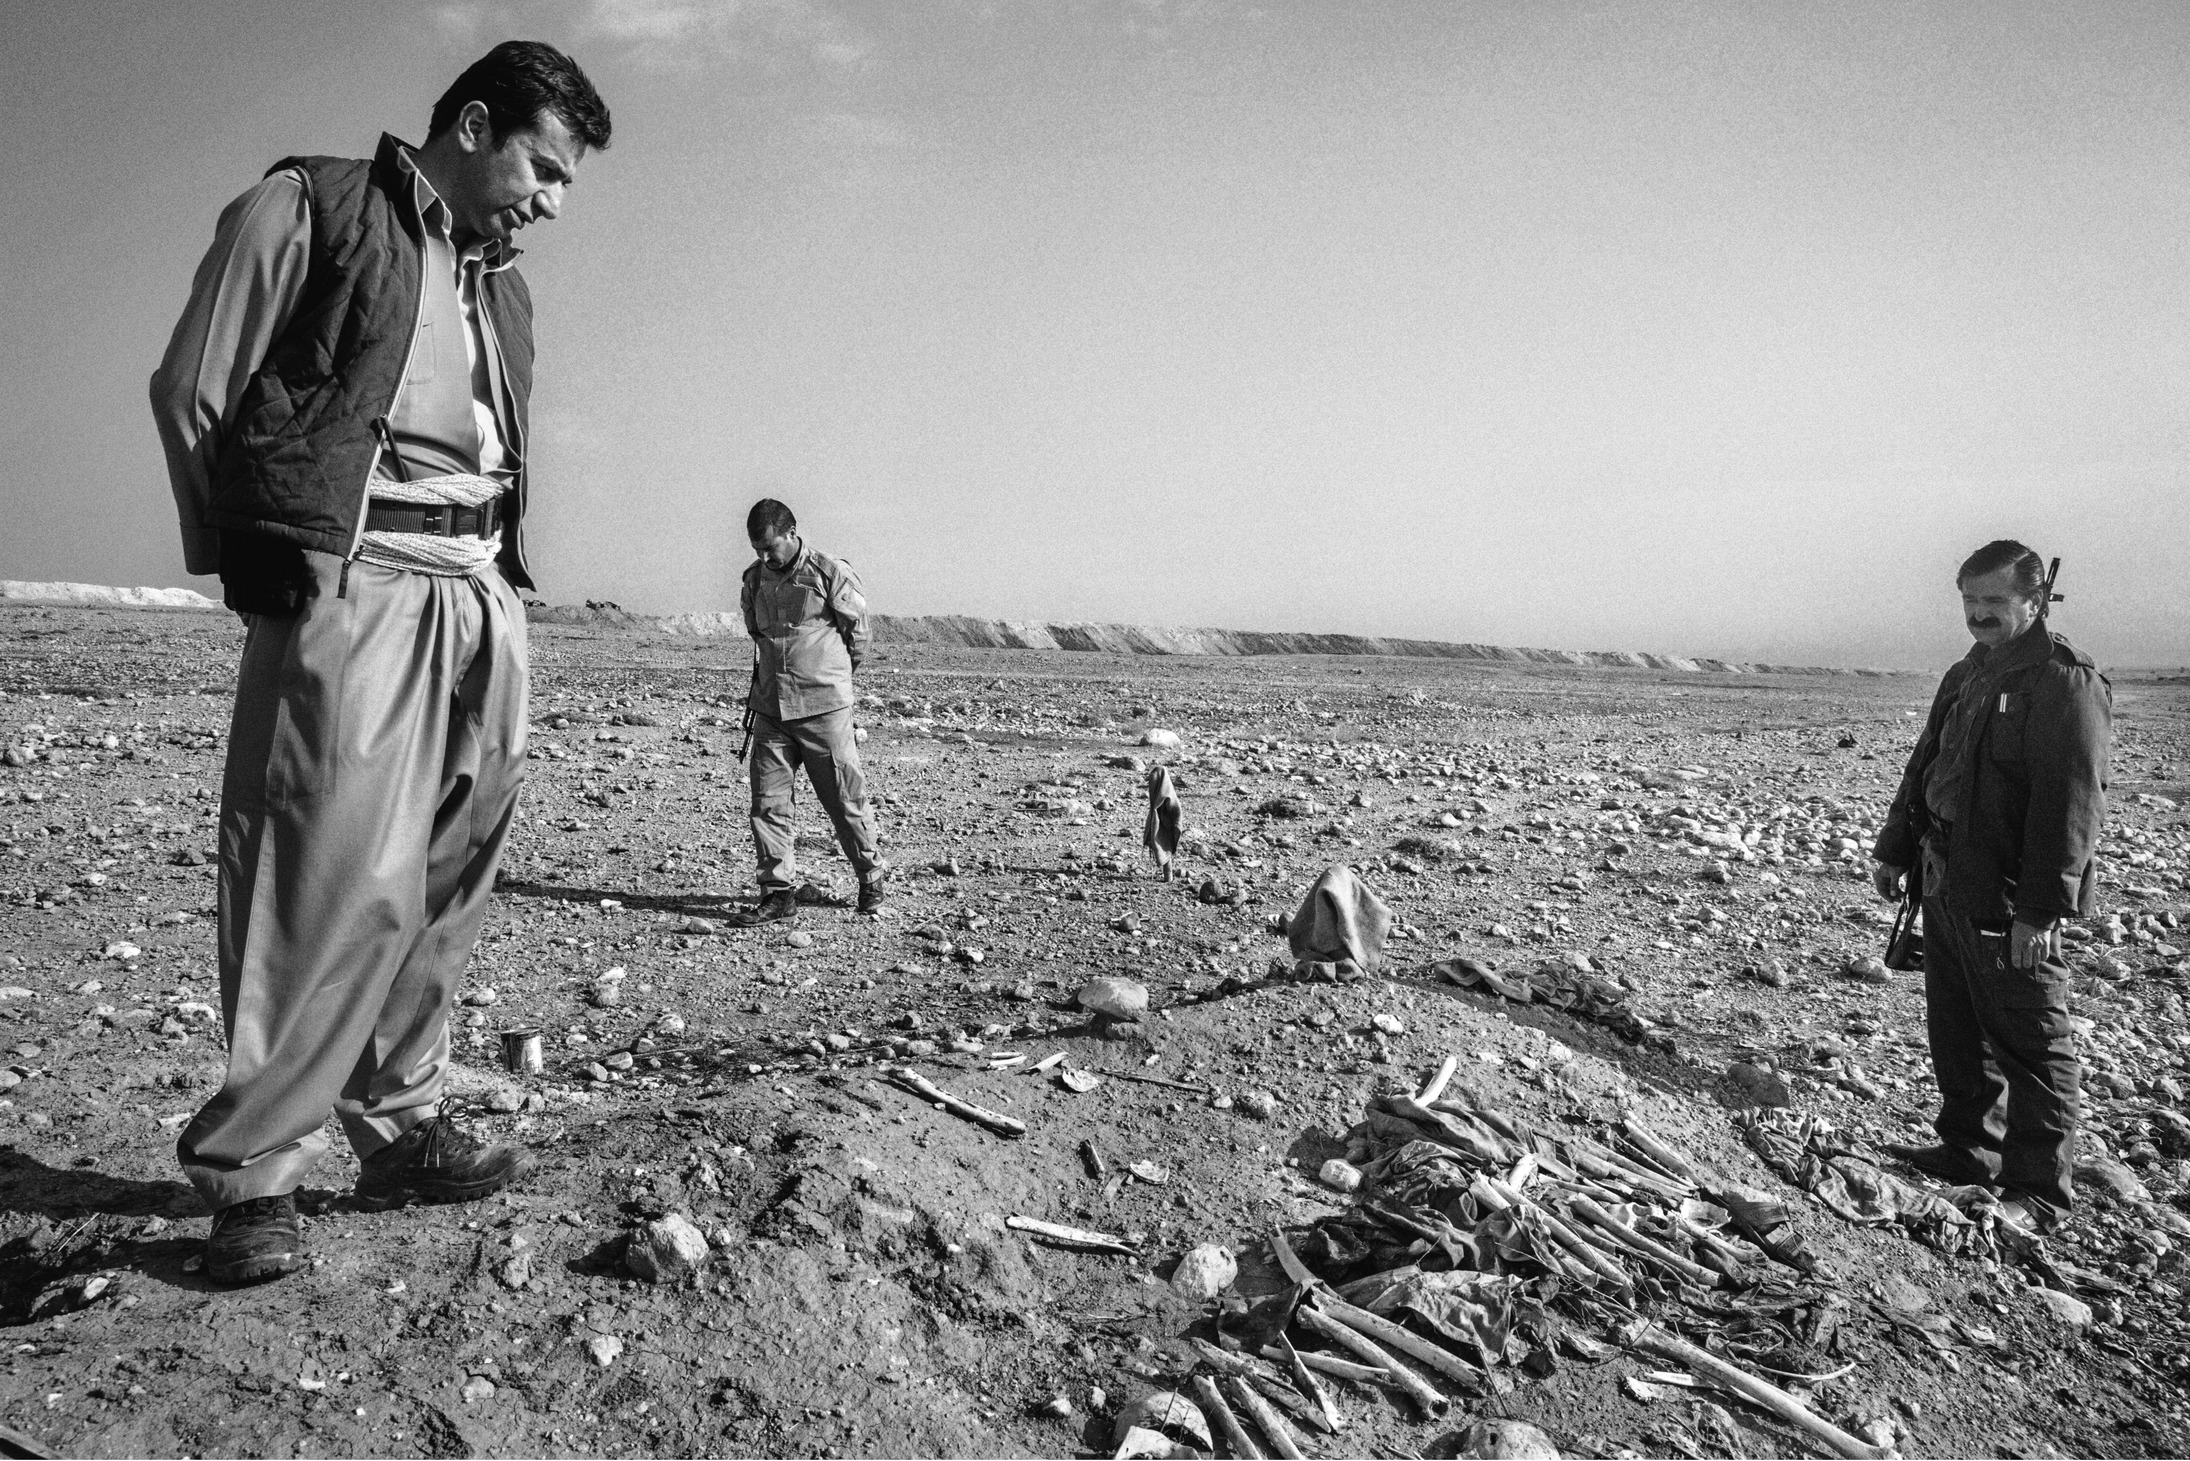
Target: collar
[798, 559]
[2032, 646]
[494, 254]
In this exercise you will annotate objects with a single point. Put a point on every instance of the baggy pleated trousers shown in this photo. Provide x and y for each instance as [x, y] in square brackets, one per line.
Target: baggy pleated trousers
[374, 762]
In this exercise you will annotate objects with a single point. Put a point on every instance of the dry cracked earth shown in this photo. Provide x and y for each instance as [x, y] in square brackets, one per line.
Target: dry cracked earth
[1696, 837]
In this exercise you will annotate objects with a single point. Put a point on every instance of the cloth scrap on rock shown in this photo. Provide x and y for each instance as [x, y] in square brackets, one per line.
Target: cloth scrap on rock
[1342, 918]
[1161, 836]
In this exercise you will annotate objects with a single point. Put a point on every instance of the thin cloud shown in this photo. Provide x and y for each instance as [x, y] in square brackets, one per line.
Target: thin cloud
[466, 22]
[678, 34]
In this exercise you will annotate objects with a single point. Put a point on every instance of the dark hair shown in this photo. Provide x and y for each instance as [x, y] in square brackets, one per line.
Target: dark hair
[2030, 569]
[518, 81]
[769, 517]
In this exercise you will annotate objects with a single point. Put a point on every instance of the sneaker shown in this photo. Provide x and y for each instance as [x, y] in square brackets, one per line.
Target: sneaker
[873, 897]
[438, 1161]
[775, 907]
[1941, 1161]
[255, 1240]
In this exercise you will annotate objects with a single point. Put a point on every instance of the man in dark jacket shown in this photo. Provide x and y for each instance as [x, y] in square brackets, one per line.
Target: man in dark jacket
[343, 408]
[2000, 809]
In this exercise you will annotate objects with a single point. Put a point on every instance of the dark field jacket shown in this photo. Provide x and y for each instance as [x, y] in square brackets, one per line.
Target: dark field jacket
[2022, 845]
[301, 446]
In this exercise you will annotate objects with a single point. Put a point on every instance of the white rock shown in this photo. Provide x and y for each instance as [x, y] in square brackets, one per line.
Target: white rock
[478, 1387]
[1121, 999]
[1341, 1174]
[1161, 739]
[667, 1250]
[605, 1349]
[1205, 1272]
[2065, 1308]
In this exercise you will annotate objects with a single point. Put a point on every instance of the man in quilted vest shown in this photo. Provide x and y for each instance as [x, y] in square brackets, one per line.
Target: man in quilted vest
[2000, 808]
[343, 410]
[808, 622]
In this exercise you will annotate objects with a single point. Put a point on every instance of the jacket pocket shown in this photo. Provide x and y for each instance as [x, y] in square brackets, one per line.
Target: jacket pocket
[2004, 726]
[2045, 987]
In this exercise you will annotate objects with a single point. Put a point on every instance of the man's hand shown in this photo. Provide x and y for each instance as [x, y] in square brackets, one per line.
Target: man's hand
[2027, 946]
[1887, 880]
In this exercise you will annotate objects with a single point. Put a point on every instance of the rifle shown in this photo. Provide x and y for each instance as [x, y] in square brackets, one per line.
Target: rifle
[1905, 945]
[752, 688]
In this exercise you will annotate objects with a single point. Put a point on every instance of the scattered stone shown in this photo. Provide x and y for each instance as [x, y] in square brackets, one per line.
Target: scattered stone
[1756, 1086]
[2111, 1177]
[481, 998]
[2064, 1309]
[504, 1101]
[605, 1349]
[799, 938]
[121, 949]
[1868, 968]
[1205, 1272]
[1389, 1024]
[1162, 740]
[1119, 999]
[1902, 1294]
[669, 1249]
[1261, 1105]
[1341, 1174]
[1771, 973]
[478, 1387]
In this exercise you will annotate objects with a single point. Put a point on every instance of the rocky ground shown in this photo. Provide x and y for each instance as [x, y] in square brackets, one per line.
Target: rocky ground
[1695, 837]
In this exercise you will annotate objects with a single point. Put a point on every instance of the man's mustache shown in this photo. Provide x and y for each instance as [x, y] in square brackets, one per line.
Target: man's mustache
[1984, 623]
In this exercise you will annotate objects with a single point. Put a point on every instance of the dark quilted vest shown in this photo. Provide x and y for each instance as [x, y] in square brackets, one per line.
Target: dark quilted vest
[296, 458]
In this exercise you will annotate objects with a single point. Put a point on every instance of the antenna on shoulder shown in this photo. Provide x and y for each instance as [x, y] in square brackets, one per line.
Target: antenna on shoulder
[2052, 573]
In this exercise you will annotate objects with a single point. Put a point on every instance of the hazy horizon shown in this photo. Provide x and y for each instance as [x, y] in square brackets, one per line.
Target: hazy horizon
[1691, 329]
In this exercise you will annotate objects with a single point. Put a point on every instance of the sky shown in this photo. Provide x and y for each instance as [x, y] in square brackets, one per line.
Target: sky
[1712, 329]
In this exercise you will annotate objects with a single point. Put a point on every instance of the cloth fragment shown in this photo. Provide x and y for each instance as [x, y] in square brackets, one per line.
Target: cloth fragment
[1161, 834]
[1341, 918]
[1805, 1150]
[1474, 1310]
